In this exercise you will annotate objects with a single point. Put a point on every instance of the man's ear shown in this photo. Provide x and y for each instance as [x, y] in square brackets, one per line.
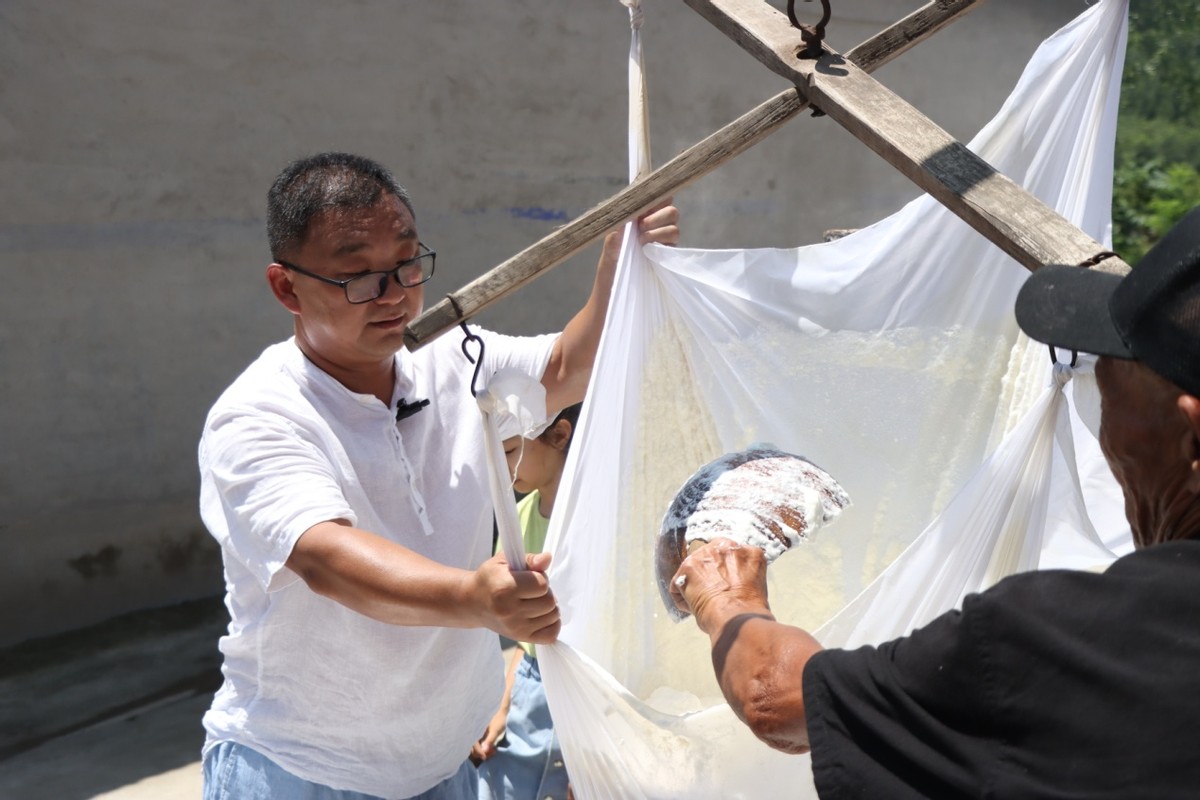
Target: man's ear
[280, 281]
[1189, 406]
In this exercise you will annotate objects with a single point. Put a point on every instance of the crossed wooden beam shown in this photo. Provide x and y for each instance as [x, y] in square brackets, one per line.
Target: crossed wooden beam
[840, 86]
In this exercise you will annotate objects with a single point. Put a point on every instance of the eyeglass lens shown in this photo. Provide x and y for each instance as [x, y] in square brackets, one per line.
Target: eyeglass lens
[372, 285]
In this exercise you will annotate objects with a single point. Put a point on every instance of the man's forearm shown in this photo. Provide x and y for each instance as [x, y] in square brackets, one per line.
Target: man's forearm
[390, 583]
[379, 579]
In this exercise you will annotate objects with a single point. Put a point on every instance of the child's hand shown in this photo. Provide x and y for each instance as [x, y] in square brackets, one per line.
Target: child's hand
[659, 224]
[485, 748]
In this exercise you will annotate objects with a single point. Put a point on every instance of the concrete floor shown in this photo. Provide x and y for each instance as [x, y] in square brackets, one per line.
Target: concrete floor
[111, 711]
[149, 754]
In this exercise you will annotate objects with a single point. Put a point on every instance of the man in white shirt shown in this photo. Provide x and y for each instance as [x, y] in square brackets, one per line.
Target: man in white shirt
[354, 519]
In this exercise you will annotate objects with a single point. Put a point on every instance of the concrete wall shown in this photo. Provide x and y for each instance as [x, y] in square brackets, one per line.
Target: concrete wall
[137, 141]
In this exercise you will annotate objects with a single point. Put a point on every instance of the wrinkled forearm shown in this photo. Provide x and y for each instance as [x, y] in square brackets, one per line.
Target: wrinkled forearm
[759, 664]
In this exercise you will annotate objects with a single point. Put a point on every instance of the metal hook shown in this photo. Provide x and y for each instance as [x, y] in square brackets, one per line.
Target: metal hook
[1096, 259]
[812, 35]
[478, 361]
[1054, 356]
[1091, 262]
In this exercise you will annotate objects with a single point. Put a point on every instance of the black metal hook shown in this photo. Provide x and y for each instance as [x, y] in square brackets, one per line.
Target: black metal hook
[813, 35]
[1091, 262]
[478, 360]
[1054, 356]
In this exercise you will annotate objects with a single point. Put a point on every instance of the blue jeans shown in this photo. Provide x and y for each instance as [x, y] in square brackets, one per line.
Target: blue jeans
[235, 772]
[529, 764]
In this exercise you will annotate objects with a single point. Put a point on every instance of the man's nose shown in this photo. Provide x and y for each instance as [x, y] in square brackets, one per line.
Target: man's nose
[390, 289]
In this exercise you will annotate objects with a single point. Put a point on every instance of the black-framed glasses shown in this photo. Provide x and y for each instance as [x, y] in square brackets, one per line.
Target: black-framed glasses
[371, 285]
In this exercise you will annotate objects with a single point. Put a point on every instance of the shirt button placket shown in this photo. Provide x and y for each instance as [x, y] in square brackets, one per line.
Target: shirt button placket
[414, 494]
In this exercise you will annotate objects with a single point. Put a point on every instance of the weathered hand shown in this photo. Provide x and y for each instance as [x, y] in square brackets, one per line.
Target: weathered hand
[720, 580]
[518, 603]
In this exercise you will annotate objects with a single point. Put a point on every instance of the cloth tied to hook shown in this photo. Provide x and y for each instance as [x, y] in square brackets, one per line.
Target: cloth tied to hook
[513, 404]
[635, 13]
[1063, 373]
[516, 402]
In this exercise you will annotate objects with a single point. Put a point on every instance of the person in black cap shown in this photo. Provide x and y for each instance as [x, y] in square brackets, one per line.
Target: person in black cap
[1050, 684]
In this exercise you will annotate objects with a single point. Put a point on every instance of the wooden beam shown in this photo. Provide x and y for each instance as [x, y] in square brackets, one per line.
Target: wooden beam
[698, 160]
[1010, 217]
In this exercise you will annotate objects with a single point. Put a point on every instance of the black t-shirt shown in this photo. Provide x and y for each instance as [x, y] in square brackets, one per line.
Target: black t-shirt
[1051, 684]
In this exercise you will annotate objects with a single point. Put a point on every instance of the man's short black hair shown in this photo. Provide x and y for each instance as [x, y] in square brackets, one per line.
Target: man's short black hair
[308, 186]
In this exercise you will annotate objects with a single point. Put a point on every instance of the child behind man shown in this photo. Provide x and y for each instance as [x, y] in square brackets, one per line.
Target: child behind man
[518, 755]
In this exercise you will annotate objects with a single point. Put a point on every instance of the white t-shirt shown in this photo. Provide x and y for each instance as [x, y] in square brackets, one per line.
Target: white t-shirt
[328, 694]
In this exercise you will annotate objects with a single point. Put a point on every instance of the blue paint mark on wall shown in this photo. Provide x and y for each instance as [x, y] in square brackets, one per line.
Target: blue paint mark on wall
[540, 214]
[129, 233]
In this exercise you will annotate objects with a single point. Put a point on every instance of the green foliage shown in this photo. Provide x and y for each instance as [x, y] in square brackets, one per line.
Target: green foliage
[1147, 200]
[1155, 180]
[1161, 60]
[1140, 140]
[1158, 131]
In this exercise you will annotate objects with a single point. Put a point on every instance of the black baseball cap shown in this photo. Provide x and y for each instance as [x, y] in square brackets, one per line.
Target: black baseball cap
[1151, 315]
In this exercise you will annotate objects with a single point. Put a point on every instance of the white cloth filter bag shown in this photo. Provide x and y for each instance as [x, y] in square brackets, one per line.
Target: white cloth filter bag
[891, 359]
[513, 404]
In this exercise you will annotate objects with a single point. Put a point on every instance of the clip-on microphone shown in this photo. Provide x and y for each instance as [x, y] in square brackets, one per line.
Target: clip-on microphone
[404, 409]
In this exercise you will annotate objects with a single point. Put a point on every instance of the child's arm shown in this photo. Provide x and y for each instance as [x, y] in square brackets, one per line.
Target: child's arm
[485, 748]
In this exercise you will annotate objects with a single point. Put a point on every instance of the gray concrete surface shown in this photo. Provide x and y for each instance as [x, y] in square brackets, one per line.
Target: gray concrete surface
[151, 753]
[113, 710]
[137, 141]
[54, 686]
